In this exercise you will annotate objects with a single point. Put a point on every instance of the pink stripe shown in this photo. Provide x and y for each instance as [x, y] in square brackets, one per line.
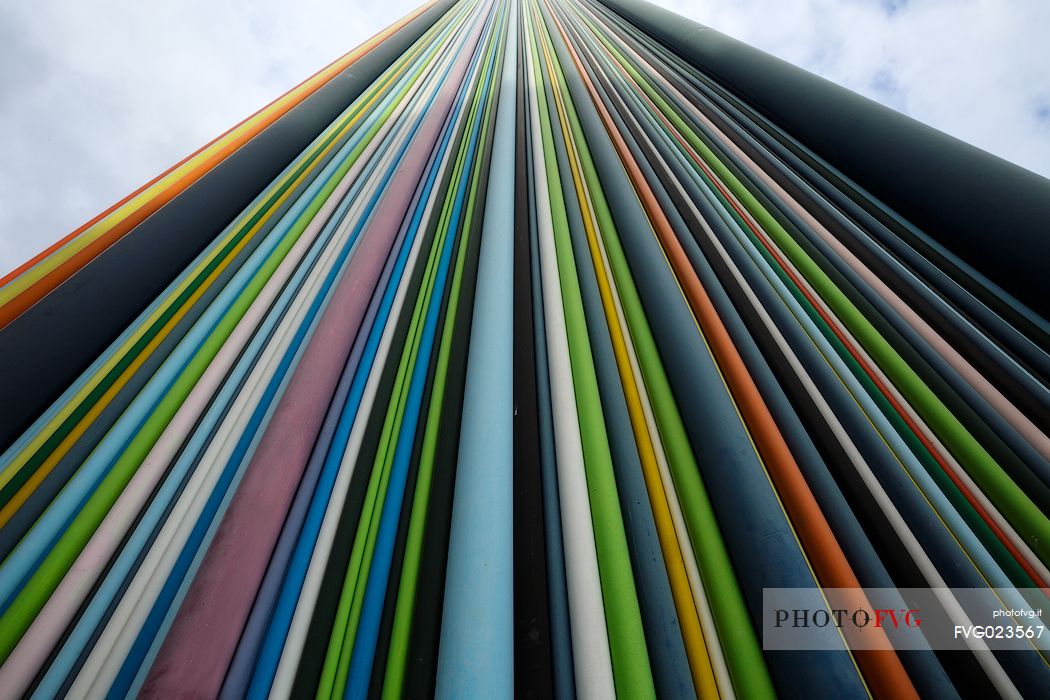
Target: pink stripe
[196, 653]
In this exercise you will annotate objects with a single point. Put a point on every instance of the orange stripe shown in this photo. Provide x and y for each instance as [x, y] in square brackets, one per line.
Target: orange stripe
[57, 276]
[882, 669]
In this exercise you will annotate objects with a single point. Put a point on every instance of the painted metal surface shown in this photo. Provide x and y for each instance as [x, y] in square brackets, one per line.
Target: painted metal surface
[534, 354]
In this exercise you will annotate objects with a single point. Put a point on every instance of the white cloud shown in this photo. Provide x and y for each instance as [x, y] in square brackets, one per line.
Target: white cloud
[101, 96]
[976, 69]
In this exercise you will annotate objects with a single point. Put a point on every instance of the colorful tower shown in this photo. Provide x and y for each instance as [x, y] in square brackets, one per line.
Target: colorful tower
[523, 351]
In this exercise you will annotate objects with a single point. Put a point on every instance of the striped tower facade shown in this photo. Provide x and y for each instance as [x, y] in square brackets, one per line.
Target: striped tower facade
[517, 353]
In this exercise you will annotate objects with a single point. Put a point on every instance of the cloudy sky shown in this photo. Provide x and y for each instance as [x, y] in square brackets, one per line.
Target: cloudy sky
[98, 97]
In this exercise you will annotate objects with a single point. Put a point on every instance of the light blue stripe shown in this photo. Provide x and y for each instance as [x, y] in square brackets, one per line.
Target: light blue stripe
[476, 654]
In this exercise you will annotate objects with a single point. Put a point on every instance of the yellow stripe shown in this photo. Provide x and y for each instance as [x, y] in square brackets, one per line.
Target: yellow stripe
[700, 665]
[70, 406]
[89, 235]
